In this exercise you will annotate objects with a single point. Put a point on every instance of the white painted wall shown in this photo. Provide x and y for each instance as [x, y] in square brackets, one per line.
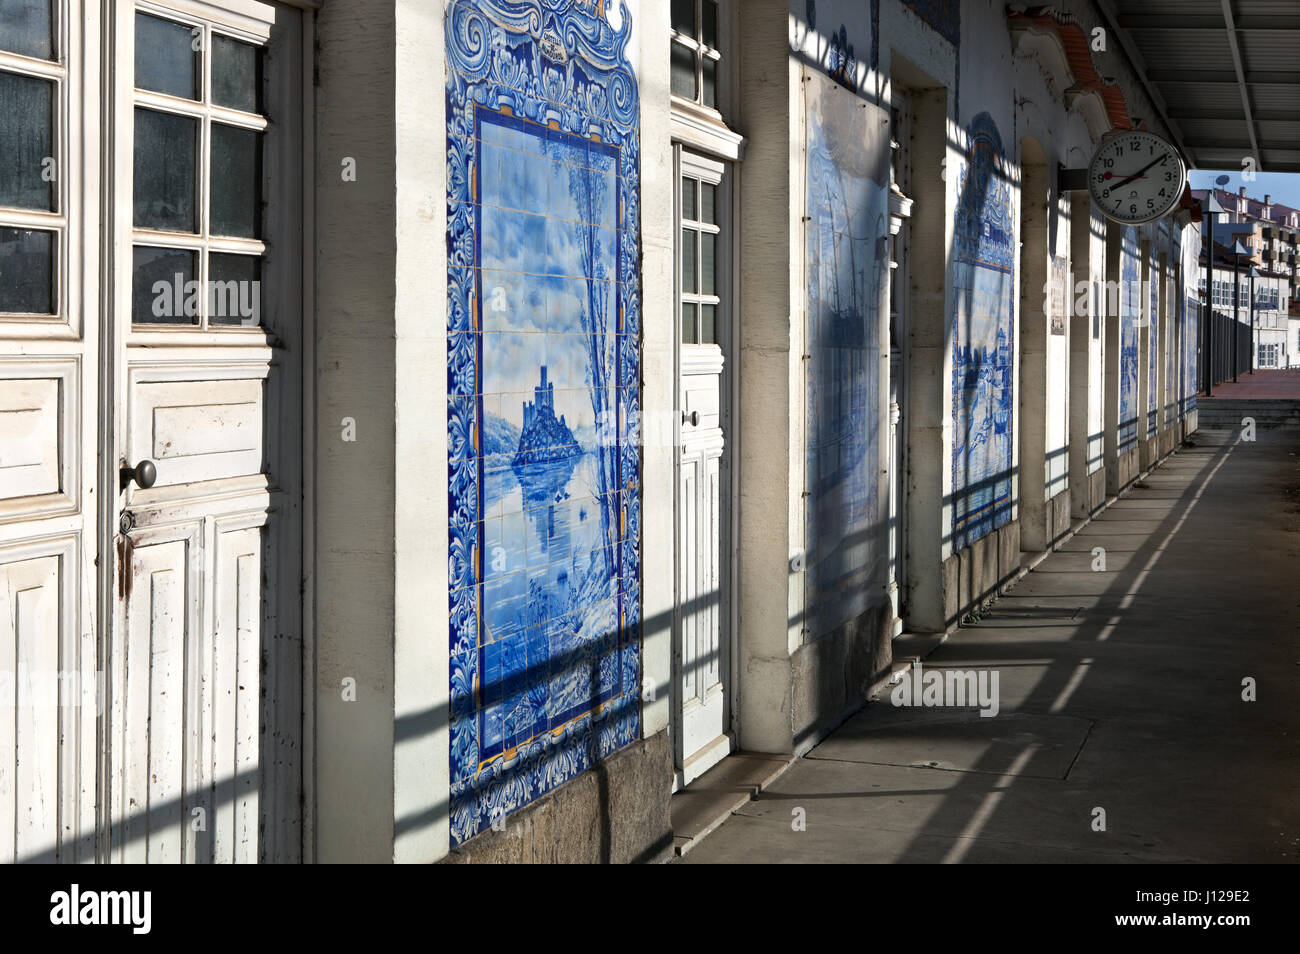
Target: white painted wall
[659, 334]
[421, 693]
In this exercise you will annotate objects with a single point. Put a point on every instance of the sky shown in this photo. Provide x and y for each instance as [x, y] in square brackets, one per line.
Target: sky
[1284, 187]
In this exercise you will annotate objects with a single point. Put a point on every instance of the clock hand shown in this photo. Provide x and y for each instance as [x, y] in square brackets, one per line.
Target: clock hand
[1138, 174]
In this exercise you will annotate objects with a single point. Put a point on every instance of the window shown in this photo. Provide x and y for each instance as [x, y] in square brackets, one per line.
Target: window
[1268, 355]
[33, 221]
[700, 254]
[695, 51]
[197, 202]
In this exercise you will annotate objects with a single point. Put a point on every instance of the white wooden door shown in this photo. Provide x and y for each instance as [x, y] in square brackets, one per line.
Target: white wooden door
[49, 378]
[702, 652]
[204, 711]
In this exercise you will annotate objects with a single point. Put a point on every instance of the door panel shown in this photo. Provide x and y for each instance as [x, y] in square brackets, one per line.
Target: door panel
[233, 769]
[203, 430]
[156, 670]
[205, 654]
[30, 636]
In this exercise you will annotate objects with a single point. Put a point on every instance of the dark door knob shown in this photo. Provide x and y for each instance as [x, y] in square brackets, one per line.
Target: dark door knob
[692, 418]
[144, 474]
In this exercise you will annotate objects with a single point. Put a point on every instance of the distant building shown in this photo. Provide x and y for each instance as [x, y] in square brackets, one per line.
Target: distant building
[1271, 233]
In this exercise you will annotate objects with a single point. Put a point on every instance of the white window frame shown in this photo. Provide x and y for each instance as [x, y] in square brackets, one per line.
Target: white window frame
[701, 169]
[66, 320]
[281, 150]
[701, 127]
[700, 51]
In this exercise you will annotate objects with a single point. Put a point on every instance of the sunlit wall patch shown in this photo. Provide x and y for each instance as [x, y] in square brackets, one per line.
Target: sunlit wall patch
[544, 408]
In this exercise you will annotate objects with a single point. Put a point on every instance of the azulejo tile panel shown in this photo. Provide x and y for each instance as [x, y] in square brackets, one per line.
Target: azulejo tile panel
[845, 259]
[983, 338]
[1153, 350]
[1129, 315]
[543, 411]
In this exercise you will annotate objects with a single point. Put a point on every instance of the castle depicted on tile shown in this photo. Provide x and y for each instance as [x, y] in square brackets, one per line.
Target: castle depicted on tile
[544, 437]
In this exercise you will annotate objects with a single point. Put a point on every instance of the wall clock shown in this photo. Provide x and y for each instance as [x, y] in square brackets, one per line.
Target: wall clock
[1135, 176]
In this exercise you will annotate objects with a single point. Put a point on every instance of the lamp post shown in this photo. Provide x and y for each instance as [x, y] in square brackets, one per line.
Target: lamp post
[1254, 348]
[1210, 208]
[1238, 250]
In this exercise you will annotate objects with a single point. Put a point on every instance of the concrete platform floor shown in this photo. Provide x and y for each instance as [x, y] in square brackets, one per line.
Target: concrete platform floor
[1119, 690]
[1263, 385]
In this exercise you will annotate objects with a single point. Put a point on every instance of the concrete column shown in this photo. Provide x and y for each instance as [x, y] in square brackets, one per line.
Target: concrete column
[767, 369]
[1080, 270]
[379, 566]
[1035, 194]
[929, 417]
[353, 565]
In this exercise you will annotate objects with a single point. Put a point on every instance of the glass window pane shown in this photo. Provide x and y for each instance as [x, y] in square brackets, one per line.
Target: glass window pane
[235, 74]
[27, 271]
[234, 289]
[709, 23]
[710, 75]
[27, 28]
[165, 180]
[161, 289]
[688, 262]
[708, 324]
[708, 203]
[688, 322]
[708, 263]
[683, 12]
[166, 58]
[27, 169]
[688, 198]
[683, 71]
[236, 182]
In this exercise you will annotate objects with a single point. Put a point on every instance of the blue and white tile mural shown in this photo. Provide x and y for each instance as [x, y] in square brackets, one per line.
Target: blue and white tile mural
[1153, 351]
[1130, 313]
[846, 259]
[1172, 356]
[1189, 382]
[543, 415]
[982, 339]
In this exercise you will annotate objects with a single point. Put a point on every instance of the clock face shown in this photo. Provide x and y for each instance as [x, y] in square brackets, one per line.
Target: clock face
[1135, 176]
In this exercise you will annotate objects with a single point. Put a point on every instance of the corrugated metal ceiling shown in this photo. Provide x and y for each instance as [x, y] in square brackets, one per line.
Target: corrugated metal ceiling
[1225, 75]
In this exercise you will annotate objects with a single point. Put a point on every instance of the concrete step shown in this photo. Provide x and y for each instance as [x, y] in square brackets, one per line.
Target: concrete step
[1228, 412]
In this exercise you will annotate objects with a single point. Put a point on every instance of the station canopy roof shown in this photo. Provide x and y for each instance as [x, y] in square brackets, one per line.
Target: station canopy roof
[1224, 74]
